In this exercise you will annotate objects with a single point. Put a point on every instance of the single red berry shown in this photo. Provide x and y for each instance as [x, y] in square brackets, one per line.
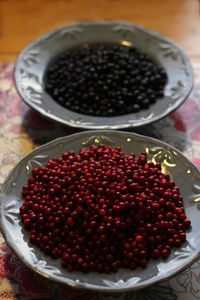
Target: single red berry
[164, 253]
[187, 223]
[139, 239]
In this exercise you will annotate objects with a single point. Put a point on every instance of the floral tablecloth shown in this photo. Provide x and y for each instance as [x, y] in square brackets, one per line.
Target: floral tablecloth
[21, 129]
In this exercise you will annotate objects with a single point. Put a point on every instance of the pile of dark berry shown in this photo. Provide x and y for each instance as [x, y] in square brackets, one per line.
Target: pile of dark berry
[101, 210]
[105, 80]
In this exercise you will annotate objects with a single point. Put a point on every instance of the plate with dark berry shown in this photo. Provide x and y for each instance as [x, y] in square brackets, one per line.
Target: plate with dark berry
[103, 210]
[103, 75]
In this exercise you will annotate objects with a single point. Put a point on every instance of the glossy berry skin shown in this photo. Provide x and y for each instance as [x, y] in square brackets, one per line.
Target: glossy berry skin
[100, 210]
[105, 80]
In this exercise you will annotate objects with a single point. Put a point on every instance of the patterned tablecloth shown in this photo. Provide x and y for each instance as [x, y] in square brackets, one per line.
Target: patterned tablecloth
[21, 129]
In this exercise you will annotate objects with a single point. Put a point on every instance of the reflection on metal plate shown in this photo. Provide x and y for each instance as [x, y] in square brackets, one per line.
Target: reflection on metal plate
[126, 43]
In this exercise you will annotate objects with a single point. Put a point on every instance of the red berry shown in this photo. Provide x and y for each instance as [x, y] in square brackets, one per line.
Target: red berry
[155, 254]
[182, 236]
[143, 262]
[101, 210]
[139, 239]
[164, 253]
[187, 223]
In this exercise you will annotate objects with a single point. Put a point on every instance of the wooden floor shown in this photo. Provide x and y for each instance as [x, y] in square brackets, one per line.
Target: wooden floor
[23, 21]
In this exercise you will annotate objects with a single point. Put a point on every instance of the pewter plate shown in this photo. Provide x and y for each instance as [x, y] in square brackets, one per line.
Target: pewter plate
[32, 63]
[183, 172]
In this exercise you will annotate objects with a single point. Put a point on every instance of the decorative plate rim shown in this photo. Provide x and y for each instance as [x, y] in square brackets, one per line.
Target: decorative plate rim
[92, 286]
[127, 120]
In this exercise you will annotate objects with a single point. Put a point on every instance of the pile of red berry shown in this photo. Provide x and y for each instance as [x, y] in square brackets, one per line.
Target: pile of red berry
[101, 210]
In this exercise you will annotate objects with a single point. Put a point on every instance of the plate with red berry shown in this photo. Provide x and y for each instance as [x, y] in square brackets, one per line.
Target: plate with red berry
[103, 75]
[103, 210]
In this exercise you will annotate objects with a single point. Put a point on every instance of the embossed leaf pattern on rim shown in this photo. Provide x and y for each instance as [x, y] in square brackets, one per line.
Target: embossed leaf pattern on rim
[32, 58]
[161, 155]
[196, 196]
[122, 280]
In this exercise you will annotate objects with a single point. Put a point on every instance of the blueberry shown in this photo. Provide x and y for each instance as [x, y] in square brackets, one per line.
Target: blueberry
[145, 103]
[105, 80]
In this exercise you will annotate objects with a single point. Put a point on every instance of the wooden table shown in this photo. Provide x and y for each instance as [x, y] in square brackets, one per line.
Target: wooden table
[23, 21]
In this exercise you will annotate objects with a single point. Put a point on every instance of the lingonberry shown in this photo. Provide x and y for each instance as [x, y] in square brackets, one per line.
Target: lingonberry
[164, 253]
[101, 209]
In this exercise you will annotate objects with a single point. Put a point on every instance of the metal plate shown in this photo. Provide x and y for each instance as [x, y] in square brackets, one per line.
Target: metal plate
[183, 172]
[32, 63]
